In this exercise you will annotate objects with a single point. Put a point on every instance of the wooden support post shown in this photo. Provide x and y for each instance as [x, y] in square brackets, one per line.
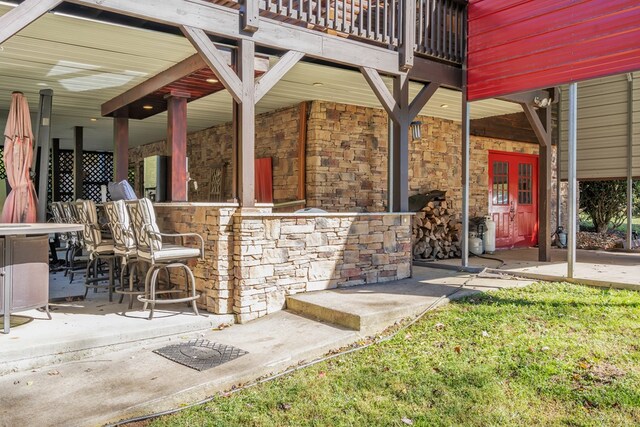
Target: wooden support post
[120, 148]
[247, 124]
[399, 173]
[466, 125]
[629, 234]
[78, 173]
[235, 109]
[22, 15]
[572, 211]
[177, 144]
[408, 35]
[302, 152]
[251, 17]
[55, 170]
[543, 133]
[43, 134]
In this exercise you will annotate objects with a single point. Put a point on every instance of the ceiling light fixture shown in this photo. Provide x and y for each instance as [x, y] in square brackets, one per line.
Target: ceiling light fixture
[444, 106]
[541, 102]
[42, 84]
[318, 84]
[212, 81]
[93, 119]
[148, 107]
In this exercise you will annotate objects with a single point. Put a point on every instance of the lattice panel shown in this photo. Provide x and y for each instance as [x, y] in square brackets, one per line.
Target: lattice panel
[97, 167]
[131, 177]
[3, 172]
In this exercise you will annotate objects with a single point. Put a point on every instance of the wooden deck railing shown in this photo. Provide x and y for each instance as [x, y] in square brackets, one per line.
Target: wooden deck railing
[439, 24]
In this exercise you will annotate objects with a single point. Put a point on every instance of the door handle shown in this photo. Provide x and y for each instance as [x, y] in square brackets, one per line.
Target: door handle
[512, 212]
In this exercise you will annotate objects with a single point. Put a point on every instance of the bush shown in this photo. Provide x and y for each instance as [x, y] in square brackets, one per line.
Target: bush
[605, 202]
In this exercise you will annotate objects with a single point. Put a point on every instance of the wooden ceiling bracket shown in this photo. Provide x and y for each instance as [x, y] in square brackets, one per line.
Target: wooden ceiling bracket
[214, 60]
[275, 74]
[384, 95]
[22, 15]
[421, 99]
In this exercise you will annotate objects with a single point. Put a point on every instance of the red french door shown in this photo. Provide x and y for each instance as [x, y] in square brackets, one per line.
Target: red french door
[513, 198]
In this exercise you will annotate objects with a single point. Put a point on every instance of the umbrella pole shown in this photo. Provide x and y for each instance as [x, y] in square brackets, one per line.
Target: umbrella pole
[43, 138]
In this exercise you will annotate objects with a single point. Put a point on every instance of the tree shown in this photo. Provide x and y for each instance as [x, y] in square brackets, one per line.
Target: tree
[605, 202]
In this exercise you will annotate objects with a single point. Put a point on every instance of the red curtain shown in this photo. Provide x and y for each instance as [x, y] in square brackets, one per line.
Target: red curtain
[264, 180]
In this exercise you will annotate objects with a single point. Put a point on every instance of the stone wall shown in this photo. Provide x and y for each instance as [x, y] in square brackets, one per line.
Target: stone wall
[214, 222]
[278, 255]
[276, 137]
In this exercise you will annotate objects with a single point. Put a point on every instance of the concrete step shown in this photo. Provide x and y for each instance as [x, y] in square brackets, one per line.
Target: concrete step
[371, 308]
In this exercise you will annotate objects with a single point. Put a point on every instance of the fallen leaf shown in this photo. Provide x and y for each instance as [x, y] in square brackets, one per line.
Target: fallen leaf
[322, 374]
[29, 383]
[584, 365]
[407, 421]
[545, 348]
[52, 373]
[284, 406]
[439, 326]
[407, 336]
[485, 333]
[16, 382]
[457, 349]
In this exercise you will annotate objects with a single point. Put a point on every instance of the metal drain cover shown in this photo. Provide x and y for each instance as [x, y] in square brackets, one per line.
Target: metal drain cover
[200, 354]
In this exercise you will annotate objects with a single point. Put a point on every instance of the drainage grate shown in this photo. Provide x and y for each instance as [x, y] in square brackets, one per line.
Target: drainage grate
[200, 354]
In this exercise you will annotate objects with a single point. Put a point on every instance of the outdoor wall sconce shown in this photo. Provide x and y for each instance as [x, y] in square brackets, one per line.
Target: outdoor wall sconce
[541, 102]
[416, 134]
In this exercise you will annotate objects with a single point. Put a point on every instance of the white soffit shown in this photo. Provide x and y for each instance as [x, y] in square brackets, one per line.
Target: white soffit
[87, 63]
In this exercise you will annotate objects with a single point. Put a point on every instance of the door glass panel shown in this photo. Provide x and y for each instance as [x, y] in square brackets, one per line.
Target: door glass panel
[500, 184]
[525, 176]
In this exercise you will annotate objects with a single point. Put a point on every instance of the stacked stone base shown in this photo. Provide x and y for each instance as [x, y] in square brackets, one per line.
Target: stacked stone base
[255, 258]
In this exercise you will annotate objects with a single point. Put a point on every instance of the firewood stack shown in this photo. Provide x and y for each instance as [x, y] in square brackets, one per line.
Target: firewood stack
[436, 232]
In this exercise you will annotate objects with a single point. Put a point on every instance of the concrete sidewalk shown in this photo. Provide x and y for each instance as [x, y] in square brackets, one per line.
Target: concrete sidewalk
[135, 381]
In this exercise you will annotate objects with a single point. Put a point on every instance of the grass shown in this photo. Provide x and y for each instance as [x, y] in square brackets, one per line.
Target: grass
[549, 354]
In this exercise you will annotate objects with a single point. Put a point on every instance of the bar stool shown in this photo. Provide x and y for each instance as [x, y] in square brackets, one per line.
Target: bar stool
[99, 249]
[160, 255]
[75, 242]
[124, 247]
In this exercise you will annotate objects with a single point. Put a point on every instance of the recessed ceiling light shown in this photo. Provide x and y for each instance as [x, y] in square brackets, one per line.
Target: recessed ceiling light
[212, 81]
[318, 84]
[444, 106]
[93, 119]
[42, 84]
[148, 107]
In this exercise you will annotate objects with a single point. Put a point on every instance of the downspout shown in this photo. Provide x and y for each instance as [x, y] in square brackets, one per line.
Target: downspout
[629, 161]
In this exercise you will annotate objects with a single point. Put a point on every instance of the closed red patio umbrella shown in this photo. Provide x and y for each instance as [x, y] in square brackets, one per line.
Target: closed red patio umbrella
[21, 203]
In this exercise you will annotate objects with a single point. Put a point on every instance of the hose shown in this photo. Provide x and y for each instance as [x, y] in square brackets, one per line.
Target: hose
[295, 368]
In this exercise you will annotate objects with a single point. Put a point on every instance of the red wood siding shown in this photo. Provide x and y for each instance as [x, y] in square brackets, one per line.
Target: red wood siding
[519, 45]
[264, 180]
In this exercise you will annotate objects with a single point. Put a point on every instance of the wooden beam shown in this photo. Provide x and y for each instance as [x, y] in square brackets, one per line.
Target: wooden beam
[78, 175]
[227, 22]
[22, 15]
[275, 74]
[120, 148]
[527, 97]
[421, 99]
[513, 126]
[543, 134]
[408, 35]
[426, 70]
[251, 16]
[381, 91]
[55, 169]
[247, 125]
[177, 147]
[215, 60]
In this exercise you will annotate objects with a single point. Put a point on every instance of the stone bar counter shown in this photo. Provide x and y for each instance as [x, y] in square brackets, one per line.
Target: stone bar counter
[254, 258]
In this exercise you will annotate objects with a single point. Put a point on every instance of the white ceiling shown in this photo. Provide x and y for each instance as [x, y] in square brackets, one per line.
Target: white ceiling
[87, 63]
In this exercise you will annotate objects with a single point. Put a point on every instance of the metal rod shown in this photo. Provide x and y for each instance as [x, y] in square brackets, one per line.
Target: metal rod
[466, 124]
[629, 161]
[44, 142]
[559, 164]
[571, 156]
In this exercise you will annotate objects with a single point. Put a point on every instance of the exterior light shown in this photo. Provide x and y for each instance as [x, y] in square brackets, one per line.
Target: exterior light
[416, 134]
[212, 81]
[318, 84]
[444, 106]
[541, 102]
[93, 119]
[148, 107]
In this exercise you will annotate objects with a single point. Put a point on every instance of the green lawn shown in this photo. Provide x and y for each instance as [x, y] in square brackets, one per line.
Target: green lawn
[549, 354]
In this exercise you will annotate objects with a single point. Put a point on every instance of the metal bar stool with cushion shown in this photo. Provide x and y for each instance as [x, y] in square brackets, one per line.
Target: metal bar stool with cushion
[99, 249]
[160, 255]
[70, 216]
[124, 246]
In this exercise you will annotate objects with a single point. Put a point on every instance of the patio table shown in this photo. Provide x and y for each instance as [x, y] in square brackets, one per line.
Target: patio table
[30, 298]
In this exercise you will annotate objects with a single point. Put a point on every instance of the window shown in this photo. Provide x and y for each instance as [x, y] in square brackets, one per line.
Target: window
[500, 183]
[525, 173]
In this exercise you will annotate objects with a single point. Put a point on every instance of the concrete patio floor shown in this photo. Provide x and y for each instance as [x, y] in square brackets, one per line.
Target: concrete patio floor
[130, 380]
[597, 268]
